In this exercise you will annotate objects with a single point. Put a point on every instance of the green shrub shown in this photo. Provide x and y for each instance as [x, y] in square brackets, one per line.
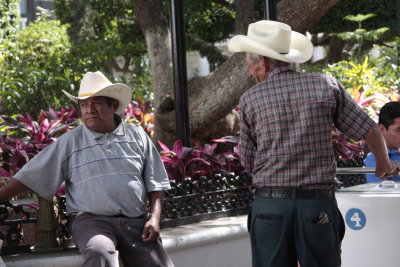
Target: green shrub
[34, 68]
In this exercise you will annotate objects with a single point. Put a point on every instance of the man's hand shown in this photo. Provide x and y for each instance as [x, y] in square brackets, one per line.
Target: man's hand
[385, 172]
[151, 230]
[152, 227]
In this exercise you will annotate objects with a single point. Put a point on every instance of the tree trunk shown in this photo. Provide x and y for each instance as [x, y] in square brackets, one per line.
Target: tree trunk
[301, 15]
[244, 15]
[155, 28]
[212, 97]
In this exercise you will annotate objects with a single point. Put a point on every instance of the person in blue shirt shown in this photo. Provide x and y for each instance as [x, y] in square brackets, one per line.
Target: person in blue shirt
[389, 124]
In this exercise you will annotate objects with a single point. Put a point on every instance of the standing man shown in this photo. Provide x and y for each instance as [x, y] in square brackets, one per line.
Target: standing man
[286, 124]
[389, 125]
[110, 170]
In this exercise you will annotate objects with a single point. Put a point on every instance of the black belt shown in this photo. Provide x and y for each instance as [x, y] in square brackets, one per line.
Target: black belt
[72, 216]
[293, 193]
[123, 216]
[119, 216]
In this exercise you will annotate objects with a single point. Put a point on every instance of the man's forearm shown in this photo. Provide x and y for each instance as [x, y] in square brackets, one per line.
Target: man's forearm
[376, 143]
[156, 202]
[13, 188]
[152, 227]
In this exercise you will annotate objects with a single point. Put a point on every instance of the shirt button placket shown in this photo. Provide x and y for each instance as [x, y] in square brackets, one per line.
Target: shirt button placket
[108, 143]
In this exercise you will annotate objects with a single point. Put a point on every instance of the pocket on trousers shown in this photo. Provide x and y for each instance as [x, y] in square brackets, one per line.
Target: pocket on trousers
[267, 230]
[268, 222]
[320, 236]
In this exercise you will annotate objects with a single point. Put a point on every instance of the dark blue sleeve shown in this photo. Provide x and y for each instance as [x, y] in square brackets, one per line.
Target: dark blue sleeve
[369, 161]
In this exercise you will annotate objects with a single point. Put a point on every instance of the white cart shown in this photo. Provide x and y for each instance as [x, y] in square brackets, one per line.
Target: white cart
[372, 216]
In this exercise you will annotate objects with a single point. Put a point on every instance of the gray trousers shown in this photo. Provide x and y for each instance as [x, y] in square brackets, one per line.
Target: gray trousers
[103, 239]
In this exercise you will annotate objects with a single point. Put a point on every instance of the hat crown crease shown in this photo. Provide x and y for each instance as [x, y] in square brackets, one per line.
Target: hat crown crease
[93, 82]
[275, 40]
[268, 35]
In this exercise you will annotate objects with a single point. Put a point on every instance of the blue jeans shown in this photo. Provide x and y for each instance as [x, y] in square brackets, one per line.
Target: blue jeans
[284, 231]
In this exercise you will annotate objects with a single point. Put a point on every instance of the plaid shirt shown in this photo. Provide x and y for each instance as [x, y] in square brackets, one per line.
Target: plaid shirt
[286, 128]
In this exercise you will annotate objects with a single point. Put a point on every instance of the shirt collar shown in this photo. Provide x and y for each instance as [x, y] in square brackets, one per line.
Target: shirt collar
[278, 70]
[120, 130]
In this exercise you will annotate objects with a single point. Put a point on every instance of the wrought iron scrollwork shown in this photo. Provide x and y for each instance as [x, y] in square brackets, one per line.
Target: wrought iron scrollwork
[199, 199]
[11, 232]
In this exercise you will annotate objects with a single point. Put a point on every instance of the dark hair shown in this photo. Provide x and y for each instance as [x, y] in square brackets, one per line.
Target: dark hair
[388, 113]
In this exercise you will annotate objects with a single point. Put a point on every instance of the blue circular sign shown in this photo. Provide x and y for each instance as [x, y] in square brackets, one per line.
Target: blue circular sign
[355, 219]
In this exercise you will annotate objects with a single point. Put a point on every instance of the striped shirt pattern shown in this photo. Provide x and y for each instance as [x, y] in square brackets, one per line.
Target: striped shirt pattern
[105, 174]
[286, 128]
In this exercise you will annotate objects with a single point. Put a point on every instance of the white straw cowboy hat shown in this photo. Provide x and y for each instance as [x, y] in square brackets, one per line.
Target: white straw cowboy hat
[96, 84]
[274, 40]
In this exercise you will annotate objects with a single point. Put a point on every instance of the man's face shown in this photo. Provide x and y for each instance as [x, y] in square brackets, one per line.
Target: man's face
[392, 134]
[97, 114]
[256, 70]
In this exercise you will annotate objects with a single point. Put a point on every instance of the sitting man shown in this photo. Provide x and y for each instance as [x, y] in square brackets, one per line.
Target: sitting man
[110, 170]
[389, 125]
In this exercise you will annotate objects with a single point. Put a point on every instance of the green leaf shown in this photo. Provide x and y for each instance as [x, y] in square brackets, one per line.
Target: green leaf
[359, 18]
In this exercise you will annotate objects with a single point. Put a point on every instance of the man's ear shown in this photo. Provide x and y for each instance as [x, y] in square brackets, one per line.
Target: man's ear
[381, 127]
[268, 65]
[115, 105]
[262, 60]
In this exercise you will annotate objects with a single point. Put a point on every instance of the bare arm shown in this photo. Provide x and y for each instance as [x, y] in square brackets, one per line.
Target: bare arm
[13, 188]
[152, 227]
[376, 143]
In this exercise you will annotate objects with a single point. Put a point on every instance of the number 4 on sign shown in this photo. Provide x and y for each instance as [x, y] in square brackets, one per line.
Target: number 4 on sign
[355, 219]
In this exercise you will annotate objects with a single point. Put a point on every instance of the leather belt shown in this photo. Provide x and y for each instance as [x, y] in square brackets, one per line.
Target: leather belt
[126, 217]
[73, 215]
[293, 193]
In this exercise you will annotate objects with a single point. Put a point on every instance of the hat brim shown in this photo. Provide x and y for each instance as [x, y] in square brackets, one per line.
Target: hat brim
[301, 49]
[117, 91]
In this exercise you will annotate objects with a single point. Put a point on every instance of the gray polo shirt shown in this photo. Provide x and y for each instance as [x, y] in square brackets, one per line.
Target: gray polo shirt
[104, 174]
